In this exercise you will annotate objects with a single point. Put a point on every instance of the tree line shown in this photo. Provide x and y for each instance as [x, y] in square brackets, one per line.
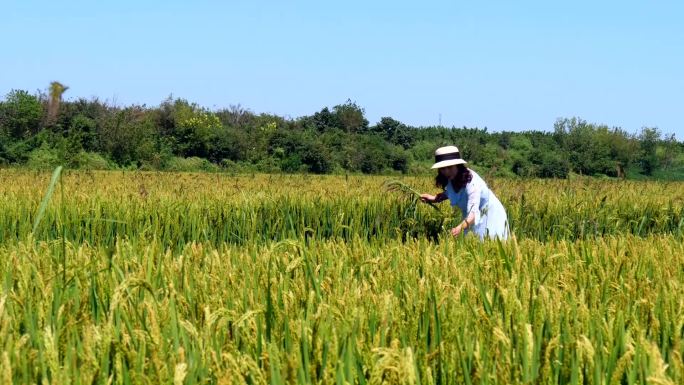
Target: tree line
[41, 130]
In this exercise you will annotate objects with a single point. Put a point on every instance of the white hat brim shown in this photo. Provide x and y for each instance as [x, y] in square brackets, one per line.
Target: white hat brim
[448, 162]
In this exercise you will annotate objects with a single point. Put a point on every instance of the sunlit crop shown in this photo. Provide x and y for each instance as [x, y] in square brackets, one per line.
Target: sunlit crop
[148, 278]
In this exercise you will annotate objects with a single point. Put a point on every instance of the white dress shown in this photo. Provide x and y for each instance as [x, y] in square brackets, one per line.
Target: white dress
[490, 216]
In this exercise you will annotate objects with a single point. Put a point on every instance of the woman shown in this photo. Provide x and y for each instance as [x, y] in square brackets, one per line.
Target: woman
[483, 214]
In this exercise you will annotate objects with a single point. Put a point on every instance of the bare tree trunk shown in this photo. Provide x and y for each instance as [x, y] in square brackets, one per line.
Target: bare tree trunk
[56, 91]
[620, 170]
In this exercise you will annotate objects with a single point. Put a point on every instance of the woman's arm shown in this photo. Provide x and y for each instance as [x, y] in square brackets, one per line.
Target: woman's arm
[473, 206]
[433, 198]
[441, 197]
[466, 223]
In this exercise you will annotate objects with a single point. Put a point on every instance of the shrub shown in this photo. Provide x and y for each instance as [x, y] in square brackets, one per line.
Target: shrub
[44, 158]
[190, 164]
[90, 161]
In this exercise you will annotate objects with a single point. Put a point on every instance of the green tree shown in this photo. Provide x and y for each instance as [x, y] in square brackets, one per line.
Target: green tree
[393, 131]
[83, 131]
[350, 117]
[229, 144]
[128, 135]
[649, 138]
[549, 164]
[235, 116]
[504, 139]
[399, 159]
[324, 120]
[197, 133]
[316, 157]
[668, 152]
[174, 122]
[367, 153]
[79, 119]
[588, 146]
[21, 114]
[300, 151]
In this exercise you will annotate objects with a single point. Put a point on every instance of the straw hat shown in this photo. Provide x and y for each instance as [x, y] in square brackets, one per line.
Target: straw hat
[447, 156]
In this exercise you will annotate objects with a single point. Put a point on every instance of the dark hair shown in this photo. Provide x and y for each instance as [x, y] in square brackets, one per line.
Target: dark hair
[462, 178]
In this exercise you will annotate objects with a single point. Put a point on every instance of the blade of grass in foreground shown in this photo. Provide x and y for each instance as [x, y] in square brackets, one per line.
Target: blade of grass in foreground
[43, 205]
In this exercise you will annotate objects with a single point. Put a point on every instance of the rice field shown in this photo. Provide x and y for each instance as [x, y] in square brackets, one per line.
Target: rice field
[160, 278]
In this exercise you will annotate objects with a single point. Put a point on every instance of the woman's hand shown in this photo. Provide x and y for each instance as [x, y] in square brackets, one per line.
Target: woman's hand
[456, 231]
[463, 225]
[427, 198]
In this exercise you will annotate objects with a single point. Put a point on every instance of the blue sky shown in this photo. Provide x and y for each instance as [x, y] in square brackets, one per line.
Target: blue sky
[505, 65]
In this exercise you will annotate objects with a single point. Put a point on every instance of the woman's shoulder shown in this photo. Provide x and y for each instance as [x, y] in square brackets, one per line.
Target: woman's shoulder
[474, 173]
[476, 178]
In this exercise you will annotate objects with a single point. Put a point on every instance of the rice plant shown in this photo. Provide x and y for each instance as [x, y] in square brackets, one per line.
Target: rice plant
[100, 208]
[152, 278]
[592, 311]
